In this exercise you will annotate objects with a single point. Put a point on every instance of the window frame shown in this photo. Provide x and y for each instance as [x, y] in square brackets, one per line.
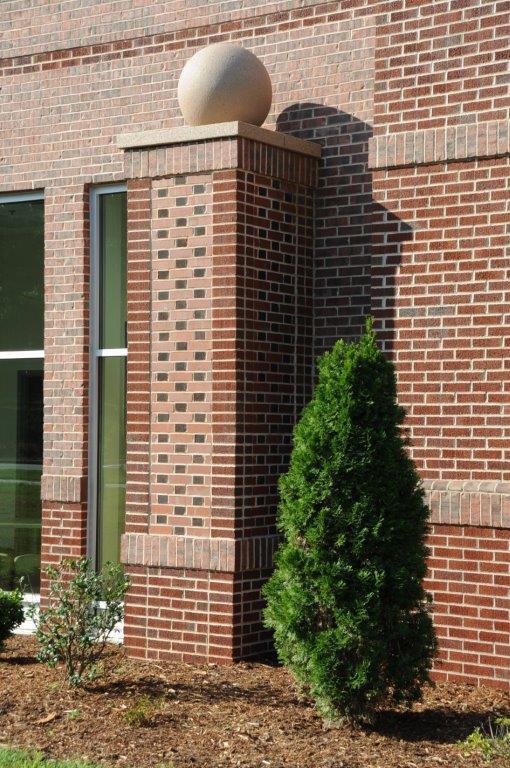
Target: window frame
[24, 354]
[22, 197]
[95, 353]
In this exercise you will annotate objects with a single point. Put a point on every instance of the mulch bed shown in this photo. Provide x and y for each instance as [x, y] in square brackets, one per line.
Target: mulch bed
[246, 716]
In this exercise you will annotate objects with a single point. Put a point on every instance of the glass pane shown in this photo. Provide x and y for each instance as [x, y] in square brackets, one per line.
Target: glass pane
[21, 432]
[111, 458]
[113, 242]
[21, 275]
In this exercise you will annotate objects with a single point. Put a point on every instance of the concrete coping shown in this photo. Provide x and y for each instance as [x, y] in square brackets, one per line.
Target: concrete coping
[190, 134]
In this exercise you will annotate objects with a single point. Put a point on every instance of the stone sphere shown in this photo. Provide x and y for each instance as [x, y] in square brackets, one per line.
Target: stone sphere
[223, 83]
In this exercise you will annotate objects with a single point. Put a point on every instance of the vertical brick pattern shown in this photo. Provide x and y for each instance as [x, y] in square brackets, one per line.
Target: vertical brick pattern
[262, 338]
[230, 369]
[262, 344]
[66, 273]
[181, 356]
[469, 578]
[64, 532]
[66, 276]
[138, 386]
[138, 398]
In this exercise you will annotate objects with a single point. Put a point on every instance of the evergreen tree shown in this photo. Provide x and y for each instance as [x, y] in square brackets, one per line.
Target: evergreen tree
[346, 601]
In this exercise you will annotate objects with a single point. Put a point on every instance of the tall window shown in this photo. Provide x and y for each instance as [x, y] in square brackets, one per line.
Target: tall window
[21, 387]
[107, 486]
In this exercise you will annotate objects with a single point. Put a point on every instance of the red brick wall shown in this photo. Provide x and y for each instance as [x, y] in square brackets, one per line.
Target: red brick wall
[443, 299]
[61, 125]
[441, 63]
[138, 372]
[469, 578]
[440, 277]
[410, 225]
[180, 500]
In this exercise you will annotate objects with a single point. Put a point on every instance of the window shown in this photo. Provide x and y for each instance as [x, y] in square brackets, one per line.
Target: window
[107, 460]
[21, 387]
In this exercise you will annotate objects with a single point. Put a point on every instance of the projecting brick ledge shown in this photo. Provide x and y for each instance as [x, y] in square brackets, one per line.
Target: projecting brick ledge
[439, 145]
[470, 502]
[63, 487]
[203, 554]
[222, 146]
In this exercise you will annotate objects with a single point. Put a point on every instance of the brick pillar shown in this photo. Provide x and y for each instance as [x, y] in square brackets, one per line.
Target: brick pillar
[224, 215]
[64, 479]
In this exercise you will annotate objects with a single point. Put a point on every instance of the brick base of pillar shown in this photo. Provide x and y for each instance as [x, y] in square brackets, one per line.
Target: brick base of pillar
[195, 616]
[208, 608]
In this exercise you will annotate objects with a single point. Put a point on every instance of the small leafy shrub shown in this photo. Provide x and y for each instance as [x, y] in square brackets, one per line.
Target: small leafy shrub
[142, 713]
[346, 602]
[83, 607]
[11, 613]
[491, 742]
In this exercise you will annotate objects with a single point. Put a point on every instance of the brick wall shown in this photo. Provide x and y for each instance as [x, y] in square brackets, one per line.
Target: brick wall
[181, 444]
[445, 309]
[441, 64]
[63, 110]
[440, 293]
[409, 102]
[469, 579]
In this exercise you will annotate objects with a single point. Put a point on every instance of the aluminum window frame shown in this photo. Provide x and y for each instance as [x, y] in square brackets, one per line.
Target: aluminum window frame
[95, 353]
[22, 197]
[24, 354]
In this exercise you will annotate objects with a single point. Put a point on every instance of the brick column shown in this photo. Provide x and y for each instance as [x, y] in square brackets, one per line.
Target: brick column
[224, 213]
[64, 479]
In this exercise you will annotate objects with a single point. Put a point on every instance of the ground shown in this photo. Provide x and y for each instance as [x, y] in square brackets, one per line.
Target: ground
[151, 714]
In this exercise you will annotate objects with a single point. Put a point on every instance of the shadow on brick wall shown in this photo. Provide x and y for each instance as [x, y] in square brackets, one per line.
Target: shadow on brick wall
[358, 242]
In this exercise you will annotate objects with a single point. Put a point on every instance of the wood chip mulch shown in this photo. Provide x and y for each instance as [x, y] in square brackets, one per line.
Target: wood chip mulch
[245, 716]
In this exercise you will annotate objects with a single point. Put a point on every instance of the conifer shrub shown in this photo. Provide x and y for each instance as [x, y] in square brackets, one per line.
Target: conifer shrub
[346, 602]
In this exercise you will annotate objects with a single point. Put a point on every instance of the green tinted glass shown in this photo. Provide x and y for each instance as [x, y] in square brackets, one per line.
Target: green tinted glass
[21, 431]
[111, 377]
[21, 275]
[112, 291]
[111, 458]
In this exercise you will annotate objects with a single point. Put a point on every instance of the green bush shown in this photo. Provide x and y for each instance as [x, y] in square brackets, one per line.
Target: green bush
[491, 742]
[346, 602]
[83, 607]
[11, 613]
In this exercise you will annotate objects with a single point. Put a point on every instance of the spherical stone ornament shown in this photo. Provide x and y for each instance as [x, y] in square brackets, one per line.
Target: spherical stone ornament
[222, 83]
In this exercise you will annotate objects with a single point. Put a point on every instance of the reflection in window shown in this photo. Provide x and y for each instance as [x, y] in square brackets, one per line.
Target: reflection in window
[21, 275]
[111, 490]
[108, 486]
[21, 391]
